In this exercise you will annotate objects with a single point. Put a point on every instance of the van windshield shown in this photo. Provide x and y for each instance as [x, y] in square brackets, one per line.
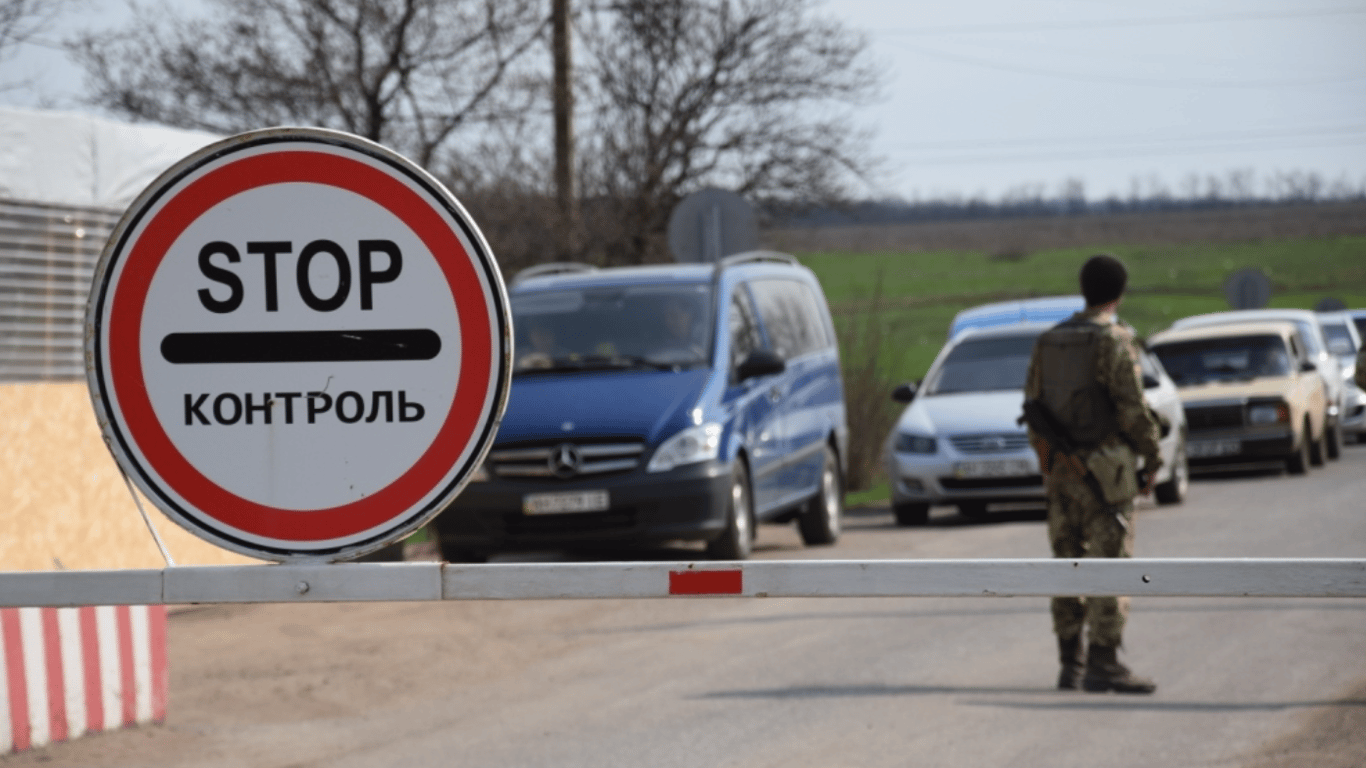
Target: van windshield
[606, 327]
[984, 365]
[1235, 358]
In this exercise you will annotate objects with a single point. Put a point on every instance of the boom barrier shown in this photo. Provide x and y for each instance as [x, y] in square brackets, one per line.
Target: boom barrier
[359, 582]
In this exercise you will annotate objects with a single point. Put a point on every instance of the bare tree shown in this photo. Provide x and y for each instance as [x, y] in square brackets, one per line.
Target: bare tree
[21, 21]
[405, 73]
[741, 94]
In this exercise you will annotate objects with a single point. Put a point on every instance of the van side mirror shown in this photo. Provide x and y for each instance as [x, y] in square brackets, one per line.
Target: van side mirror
[1150, 381]
[1308, 366]
[760, 362]
[904, 393]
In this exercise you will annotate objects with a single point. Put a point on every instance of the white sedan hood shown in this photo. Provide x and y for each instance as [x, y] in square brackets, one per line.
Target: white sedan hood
[967, 412]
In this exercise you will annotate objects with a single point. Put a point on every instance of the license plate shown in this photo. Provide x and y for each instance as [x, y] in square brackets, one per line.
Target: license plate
[565, 503]
[993, 468]
[1204, 449]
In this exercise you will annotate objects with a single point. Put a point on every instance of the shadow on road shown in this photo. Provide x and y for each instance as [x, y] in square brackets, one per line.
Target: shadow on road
[1061, 699]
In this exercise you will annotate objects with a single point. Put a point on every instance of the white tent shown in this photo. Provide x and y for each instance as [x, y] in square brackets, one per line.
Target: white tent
[69, 158]
[65, 179]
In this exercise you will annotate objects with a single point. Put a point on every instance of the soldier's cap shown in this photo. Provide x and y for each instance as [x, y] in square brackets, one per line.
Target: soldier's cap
[1103, 278]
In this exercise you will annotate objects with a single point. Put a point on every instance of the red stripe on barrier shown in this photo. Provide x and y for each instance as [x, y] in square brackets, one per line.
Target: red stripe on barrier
[56, 680]
[17, 680]
[156, 617]
[90, 658]
[126, 676]
[706, 582]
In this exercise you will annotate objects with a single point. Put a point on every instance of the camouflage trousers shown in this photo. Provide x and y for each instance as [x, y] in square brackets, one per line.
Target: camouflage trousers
[1079, 525]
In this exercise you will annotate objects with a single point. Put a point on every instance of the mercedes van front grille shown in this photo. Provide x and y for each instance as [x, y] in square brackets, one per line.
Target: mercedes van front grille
[565, 460]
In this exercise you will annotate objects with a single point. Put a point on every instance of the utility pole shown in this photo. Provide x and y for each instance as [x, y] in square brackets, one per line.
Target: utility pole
[567, 219]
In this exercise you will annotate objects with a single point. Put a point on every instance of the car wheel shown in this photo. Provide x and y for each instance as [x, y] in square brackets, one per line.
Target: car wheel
[1298, 462]
[1317, 449]
[737, 540]
[975, 510]
[911, 514]
[1174, 490]
[1335, 441]
[820, 523]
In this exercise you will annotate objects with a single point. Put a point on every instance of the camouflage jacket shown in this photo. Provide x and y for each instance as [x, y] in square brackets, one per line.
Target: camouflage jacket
[1117, 371]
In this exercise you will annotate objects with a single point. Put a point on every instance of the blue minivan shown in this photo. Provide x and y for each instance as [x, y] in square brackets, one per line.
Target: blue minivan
[654, 404]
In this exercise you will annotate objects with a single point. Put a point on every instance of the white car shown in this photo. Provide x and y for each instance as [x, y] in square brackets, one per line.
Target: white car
[958, 442]
[1315, 343]
[1344, 341]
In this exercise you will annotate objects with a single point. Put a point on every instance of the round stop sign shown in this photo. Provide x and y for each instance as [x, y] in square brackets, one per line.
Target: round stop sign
[298, 344]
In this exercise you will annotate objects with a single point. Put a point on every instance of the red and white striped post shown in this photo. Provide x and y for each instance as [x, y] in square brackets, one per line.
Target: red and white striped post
[66, 672]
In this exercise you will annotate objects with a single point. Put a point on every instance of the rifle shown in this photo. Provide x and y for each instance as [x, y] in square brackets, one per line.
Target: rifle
[1046, 426]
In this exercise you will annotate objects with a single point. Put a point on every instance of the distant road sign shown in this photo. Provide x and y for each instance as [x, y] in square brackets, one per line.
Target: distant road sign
[298, 344]
[1248, 288]
[711, 224]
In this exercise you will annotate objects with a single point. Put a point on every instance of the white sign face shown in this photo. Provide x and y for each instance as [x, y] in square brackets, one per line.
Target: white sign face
[299, 345]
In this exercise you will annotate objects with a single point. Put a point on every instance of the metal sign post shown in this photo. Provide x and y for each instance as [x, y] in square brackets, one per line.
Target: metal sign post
[298, 345]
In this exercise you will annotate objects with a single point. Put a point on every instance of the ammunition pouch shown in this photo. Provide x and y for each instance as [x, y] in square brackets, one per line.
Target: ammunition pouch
[1113, 467]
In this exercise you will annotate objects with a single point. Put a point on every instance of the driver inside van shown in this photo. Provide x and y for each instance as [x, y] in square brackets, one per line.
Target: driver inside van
[544, 346]
[679, 318]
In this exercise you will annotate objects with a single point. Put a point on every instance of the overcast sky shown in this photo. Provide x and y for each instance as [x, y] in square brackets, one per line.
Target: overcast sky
[988, 96]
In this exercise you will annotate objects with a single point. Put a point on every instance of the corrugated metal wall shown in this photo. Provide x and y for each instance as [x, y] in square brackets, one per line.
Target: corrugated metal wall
[47, 262]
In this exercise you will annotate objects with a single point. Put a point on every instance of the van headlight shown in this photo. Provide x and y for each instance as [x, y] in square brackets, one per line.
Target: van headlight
[694, 444]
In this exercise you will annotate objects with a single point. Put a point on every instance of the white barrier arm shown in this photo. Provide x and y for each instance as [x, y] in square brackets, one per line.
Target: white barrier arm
[358, 582]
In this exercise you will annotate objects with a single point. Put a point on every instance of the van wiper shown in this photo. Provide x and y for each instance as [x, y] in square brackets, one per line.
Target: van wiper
[625, 361]
[594, 363]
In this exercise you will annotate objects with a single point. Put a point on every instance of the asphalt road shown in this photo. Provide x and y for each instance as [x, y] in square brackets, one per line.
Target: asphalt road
[1248, 682]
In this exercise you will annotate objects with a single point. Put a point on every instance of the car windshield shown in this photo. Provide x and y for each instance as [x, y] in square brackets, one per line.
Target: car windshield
[619, 326]
[1339, 339]
[1235, 358]
[984, 365]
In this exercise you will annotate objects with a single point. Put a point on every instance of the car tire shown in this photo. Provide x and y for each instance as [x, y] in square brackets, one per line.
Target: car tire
[1297, 463]
[821, 521]
[908, 514]
[1174, 490]
[1335, 441]
[737, 540]
[973, 510]
[1317, 449]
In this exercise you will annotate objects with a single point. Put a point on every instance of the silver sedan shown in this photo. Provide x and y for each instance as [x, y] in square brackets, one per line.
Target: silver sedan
[958, 441]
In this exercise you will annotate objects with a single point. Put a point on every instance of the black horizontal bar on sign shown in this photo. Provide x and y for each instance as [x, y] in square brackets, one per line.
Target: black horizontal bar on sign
[301, 346]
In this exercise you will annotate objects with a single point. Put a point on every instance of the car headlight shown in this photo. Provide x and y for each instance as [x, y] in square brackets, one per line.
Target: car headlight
[907, 442]
[694, 444]
[1268, 414]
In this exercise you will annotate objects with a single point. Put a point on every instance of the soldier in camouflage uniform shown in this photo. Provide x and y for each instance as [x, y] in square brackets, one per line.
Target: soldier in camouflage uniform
[1085, 371]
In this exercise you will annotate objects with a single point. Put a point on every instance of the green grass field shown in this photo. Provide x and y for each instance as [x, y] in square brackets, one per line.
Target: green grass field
[921, 292]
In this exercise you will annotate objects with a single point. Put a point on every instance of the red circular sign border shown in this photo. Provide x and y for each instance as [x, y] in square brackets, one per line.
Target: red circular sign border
[145, 254]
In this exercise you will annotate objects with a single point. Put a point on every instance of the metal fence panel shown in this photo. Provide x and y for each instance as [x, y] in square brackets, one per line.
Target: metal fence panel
[47, 262]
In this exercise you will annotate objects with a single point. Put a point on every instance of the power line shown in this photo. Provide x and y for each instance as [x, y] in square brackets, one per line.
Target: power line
[1184, 82]
[1152, 21]
[1225, 136]
[1118, 152]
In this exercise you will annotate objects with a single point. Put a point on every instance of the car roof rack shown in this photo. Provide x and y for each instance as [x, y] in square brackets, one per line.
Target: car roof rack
[754, 257]
[553, 268]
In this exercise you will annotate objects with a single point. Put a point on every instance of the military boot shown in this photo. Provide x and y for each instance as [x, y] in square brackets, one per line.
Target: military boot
[1073, 660]
[1105, 673]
